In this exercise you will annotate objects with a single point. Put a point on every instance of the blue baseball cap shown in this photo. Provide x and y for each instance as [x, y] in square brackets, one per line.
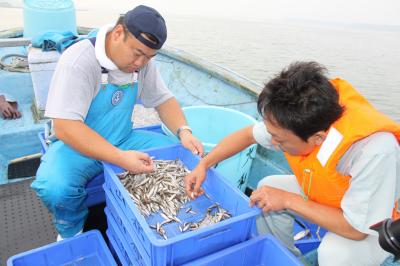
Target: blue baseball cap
[144, 19]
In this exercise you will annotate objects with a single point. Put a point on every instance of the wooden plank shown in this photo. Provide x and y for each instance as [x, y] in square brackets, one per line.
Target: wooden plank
[9, 42]
[25, 158]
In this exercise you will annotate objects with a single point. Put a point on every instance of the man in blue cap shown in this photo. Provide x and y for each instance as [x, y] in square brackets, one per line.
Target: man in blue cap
[91, 98]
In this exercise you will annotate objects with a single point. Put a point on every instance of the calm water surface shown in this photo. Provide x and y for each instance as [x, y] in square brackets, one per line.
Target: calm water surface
[367, 58]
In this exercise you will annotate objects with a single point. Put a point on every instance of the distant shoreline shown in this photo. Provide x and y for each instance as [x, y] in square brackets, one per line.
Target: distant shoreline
[12, 17]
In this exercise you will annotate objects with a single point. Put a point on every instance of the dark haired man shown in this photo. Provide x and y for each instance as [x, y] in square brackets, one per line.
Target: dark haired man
[344, 154]
[91, 99]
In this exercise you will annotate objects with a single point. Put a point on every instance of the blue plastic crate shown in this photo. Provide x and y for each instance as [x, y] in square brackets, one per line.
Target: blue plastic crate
[120, 222]
[86, 249]
[94, 188]
[312, 241]
[307, 243]
[118, 255]
[126, 251]
[115, 253]
[154, 128]
[116, 247]
[183, 247]
[258, 251]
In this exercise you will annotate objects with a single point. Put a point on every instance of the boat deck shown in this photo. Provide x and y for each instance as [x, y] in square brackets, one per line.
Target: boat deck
[25, 223]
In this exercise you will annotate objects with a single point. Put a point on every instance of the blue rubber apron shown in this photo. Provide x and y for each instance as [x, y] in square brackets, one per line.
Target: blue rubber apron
[64, 172]
[111, 111]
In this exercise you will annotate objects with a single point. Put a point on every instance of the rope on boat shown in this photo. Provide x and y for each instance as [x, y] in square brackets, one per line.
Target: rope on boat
[19, 63]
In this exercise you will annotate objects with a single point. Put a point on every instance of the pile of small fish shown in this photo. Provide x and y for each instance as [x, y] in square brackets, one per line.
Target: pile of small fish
[210, 218]
[164, 190]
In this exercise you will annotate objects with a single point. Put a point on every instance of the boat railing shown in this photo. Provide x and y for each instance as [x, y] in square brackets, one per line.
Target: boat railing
[13, 37]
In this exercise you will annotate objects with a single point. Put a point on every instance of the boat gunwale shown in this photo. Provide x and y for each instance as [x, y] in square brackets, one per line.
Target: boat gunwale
[215, 70]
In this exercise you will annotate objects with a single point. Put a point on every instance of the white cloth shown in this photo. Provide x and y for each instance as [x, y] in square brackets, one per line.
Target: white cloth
[77, 79]
[334, 249]
[60, 238]
[100, 49]
[374, 166]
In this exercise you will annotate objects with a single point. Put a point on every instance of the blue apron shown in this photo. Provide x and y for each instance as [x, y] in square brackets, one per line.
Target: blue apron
[63, 173]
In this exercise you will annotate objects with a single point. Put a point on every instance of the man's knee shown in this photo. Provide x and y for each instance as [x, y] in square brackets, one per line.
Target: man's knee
[350, 250]
[332, 245]
[284, 182]
[273, 180]
[56, 189]
[266, 181]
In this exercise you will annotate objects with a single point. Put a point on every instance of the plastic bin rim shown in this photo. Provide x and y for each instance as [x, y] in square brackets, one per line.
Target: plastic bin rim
[166, 130]
[94, 232]
[205, 144]
[249, 242]
[200, 107]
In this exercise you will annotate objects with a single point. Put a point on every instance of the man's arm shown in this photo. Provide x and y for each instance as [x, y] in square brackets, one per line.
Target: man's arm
[88, 142]
[229, 146]
[328, 217]
[274, 199]
[172, 116]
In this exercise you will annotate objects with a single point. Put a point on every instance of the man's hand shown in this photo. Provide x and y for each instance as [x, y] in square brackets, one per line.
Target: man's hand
[194, 180]
[136, 162]
[191, 143]
[273, 199]
[269, 198]
[9, 110]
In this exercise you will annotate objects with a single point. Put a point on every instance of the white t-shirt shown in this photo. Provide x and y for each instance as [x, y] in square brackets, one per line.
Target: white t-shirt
[77, 79]
[374, 166]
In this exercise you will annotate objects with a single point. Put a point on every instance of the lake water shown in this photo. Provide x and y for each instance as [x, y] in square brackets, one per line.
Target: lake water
[366, 56]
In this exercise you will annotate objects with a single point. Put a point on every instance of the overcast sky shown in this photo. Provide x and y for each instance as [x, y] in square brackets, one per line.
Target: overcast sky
[347, 11]
[344, 11]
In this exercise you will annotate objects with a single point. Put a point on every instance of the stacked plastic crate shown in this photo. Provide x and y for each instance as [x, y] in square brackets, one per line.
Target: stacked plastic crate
[136, 243]
[85, 249]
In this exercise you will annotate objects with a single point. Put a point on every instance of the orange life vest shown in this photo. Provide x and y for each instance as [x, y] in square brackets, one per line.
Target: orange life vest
[322, 183]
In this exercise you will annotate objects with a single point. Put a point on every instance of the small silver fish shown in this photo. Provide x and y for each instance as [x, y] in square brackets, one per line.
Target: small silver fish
[301, 234]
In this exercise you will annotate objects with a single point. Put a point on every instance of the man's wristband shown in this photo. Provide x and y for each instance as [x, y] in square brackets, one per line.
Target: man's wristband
[181, 129]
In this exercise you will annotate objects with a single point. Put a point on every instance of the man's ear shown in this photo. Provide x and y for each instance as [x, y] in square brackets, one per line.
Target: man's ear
[319, 137]
[118, 32]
